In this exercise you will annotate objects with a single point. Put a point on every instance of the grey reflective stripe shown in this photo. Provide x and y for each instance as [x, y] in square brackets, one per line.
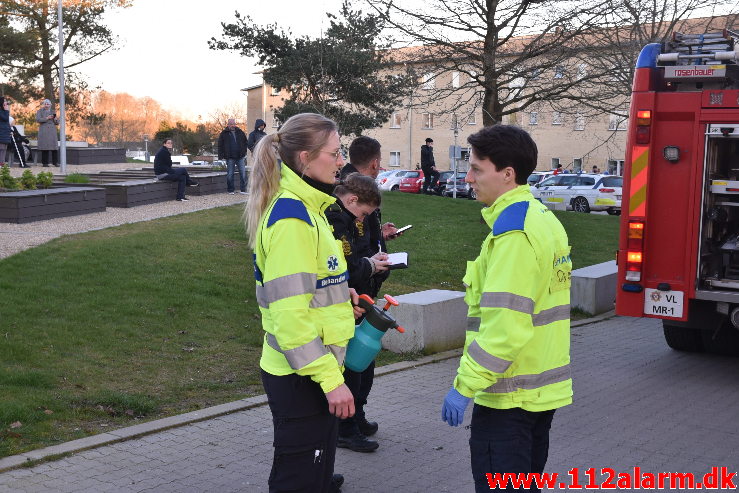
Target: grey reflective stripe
[302, 355]
[473, 324]
[507, 300]
[529, 382]
[339, 352]
[487, 360]
[554, 314]
[330, 295]
[285, 287]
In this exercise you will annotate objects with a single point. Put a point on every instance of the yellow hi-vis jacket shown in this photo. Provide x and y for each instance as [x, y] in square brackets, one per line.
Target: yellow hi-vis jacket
[517, 346]
[301, 282]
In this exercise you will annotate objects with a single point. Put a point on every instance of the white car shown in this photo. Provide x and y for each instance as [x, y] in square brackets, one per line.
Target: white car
[538, 176]
[581, 192]
[391, 179]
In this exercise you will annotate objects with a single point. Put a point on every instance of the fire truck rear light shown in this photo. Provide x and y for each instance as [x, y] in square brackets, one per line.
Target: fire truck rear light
[636, 229]
[606, 190]
[642, 135]
[643, 117]
[633, 275]
[633, 257]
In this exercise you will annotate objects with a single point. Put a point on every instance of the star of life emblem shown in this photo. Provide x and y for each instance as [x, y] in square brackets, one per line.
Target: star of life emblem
[333, 263]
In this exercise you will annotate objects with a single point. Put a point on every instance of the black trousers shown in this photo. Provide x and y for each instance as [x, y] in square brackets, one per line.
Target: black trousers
[360, 384]
[45, 157]
[430, 178]
[182, 178]
[508, 441]
[305, 435]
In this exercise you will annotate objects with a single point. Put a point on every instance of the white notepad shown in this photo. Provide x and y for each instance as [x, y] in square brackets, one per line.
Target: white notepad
[398, 260]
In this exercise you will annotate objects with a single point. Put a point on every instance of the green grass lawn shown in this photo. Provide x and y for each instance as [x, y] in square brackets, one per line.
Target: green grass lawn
[107, 328]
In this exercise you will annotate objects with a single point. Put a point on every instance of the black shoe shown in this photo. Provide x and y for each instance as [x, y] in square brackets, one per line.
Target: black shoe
[357, 443]
[46, 165]
[193, 184]
[336, 481]
[183, 199]
[367, 428]
[56, 165]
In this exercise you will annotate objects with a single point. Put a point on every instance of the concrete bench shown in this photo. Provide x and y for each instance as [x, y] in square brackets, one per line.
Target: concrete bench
[594, 288]
[36, 205]
[434, 320]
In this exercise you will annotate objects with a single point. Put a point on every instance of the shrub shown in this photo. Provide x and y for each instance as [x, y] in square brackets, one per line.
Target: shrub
[45, 179]
[28, 181]
[7, 181]
[77, 178]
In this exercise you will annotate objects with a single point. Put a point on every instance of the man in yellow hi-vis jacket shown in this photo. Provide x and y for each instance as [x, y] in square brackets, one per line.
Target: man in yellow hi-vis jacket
[516, 360]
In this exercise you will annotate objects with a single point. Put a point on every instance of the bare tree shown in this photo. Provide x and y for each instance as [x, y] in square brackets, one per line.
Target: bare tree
[506, 56]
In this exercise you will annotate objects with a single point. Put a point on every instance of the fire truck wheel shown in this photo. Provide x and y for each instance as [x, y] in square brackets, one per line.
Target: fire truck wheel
[724, 342]
[682, 338]
[580, 204]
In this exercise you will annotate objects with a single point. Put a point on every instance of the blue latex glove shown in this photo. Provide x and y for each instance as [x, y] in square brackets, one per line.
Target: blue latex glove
[452, 411]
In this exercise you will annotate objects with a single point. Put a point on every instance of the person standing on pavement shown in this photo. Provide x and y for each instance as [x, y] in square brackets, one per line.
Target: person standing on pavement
[365, 155]
[428, 165]
[6, 134]
[48, 140]
[164, 171]
[516, 359]
[232, 147]
[256, 135]
[304, 299]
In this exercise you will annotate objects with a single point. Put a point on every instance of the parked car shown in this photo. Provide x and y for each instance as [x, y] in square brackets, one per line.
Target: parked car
[458, 183]
[412, 181]
[391, 181]
[582, 192]
[441, 184]
[537, 177]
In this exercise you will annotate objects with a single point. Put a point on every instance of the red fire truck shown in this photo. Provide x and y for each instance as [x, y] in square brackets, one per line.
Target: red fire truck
[678, 256]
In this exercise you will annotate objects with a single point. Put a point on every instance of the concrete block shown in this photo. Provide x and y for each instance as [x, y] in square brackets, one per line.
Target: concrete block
[594, 288]
[434, 320]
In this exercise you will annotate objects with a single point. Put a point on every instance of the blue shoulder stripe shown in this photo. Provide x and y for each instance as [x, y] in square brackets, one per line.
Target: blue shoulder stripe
[512, 218]
[286, 208]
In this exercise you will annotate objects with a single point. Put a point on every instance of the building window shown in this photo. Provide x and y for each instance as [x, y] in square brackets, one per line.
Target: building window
[556, 118]
[559, 71]
[577, 164]
[429, 81]
[428, 120]
[534, 118]
[472, 120]
[555, 162]
[582, 71]
[617, 120]
[275, 122]
[275, 91]
[535, 74]
[395, 120]
[395, 158]
[579, 121]
[455, 79]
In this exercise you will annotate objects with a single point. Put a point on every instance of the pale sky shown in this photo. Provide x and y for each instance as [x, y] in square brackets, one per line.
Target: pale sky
[164, 54]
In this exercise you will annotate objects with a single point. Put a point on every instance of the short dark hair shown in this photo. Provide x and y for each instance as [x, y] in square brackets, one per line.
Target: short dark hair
[429, 139]
[362, 150]
[364, 187]
[506, 146]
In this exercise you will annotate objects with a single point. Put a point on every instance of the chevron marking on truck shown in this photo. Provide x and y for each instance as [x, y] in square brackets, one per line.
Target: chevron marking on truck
[639, 170]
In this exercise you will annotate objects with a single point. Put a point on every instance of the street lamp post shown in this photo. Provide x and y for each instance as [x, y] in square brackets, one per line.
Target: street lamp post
[62, 118]
[146, 147]
[455, 127]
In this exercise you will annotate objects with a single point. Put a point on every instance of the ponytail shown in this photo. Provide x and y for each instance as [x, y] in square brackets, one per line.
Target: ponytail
[263, 184]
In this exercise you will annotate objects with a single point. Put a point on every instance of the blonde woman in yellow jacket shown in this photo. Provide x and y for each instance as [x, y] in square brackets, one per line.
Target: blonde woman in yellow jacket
[516, 359]
[304, 299]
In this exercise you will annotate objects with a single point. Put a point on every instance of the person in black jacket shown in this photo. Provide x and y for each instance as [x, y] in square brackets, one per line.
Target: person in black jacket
[5, 133]
[164, 171]
[357, 198]
[256, 135]
[20, 147]
[428, 165]
[232, 147]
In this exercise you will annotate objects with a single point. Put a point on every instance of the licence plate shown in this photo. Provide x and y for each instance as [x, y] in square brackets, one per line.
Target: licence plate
[663, 303]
